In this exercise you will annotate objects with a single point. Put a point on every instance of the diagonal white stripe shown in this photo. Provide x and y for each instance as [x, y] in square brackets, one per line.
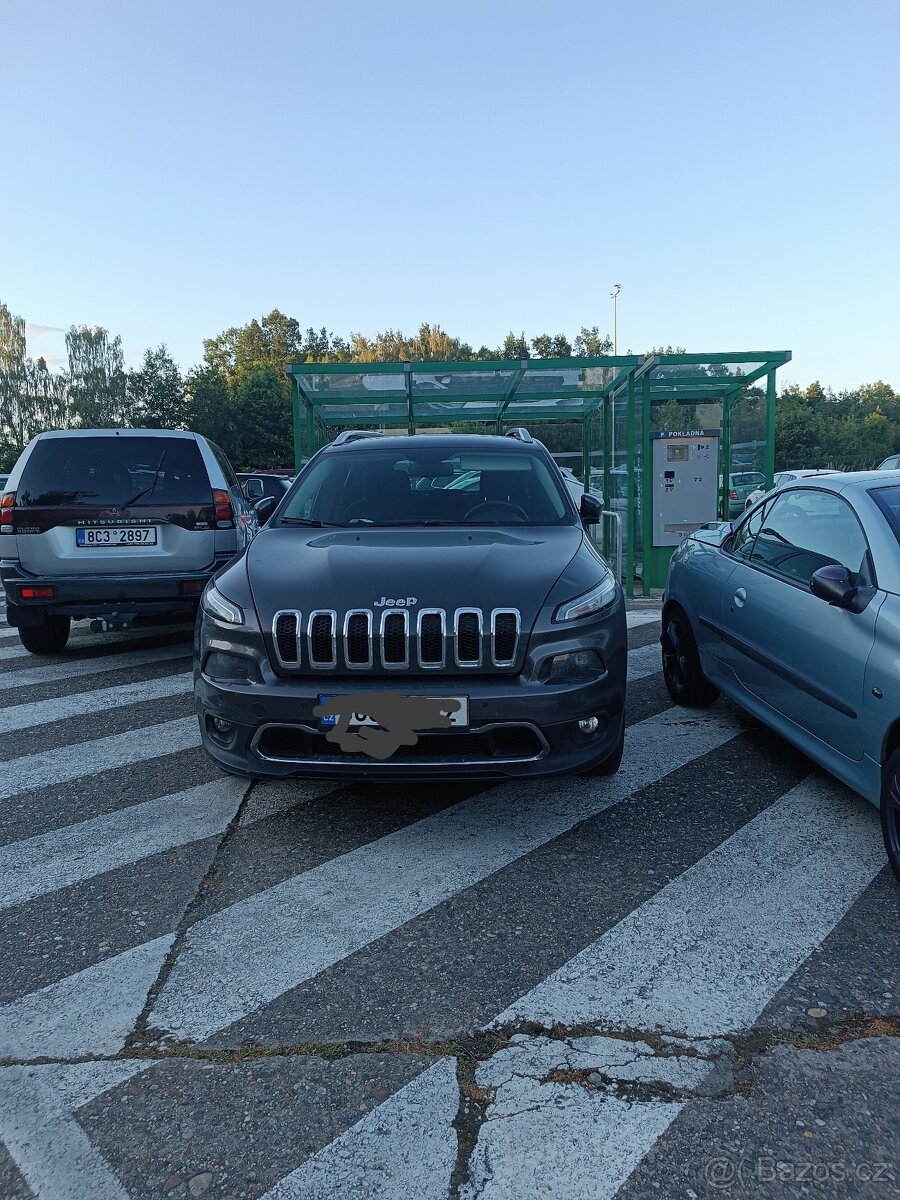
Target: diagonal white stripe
[30, 676]
[90, 758]
[77, 704]
[646, 660]
[406, 1147]
[52, 1151]
[706, 954]
[243, 957]
[636, 617]
[91, 1012]
[54, 860]
[8, 653]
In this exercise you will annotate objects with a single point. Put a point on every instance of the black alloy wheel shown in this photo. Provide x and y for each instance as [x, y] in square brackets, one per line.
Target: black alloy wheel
[682, 672]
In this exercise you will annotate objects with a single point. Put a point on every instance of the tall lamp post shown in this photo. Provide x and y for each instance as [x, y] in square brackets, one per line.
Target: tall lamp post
[613, 295]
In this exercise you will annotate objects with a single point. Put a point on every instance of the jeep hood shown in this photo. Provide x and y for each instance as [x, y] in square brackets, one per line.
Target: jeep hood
[454, 568]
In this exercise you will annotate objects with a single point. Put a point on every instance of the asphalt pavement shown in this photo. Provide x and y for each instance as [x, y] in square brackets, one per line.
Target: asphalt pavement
[681, 981]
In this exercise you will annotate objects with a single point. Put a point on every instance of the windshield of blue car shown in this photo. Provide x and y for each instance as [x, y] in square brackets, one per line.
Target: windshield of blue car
[388, 488]
[888, 500]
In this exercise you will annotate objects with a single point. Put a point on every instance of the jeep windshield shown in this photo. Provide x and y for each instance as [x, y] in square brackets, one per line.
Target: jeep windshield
[388, 488]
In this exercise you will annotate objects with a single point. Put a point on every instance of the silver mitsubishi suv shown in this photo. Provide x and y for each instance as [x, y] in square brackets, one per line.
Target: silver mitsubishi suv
[112, 525]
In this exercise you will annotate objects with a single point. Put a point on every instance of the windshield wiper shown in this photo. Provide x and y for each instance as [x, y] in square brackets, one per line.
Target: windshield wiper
[303, 521]
[150, 487]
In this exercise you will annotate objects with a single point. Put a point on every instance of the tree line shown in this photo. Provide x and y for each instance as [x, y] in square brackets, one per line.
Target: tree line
[239, 395]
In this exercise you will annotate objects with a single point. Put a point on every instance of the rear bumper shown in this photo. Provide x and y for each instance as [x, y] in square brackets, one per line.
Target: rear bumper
[82, 596]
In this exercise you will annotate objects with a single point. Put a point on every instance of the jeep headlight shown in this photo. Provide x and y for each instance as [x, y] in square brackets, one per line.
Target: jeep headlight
[589, 603]
[221, 608]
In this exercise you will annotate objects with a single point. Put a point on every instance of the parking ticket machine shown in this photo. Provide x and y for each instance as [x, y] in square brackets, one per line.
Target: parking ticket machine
[685, 483]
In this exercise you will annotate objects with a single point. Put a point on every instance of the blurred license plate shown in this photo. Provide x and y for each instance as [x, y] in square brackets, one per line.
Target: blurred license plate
[458, 718]
[117, 535]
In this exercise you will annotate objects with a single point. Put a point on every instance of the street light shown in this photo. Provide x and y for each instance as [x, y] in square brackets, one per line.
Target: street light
[617, 287]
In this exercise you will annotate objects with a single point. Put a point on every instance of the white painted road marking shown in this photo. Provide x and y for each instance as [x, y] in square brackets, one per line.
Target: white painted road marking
[32, 676]
[65, 856]
[636, 617]
[707, 952]
[90, 758]
[246, 955]
[77, 704]
[91, 1012]
[404, 1148]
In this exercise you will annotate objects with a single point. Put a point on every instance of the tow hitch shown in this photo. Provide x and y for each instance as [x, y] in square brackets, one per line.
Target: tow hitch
[113, 624]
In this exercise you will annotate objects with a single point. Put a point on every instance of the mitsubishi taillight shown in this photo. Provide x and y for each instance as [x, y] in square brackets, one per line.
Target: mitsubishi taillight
[224, 509]
[732, 495]
[7, 504]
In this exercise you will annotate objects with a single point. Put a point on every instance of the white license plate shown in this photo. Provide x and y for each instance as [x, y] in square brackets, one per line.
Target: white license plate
[116, 535]
[460, 717]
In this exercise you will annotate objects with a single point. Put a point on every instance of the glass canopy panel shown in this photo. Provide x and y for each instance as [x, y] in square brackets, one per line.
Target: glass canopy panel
[364, 414]
[433, 384]
[357, 386]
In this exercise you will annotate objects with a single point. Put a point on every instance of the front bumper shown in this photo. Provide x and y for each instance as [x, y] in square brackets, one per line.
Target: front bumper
[516, 729]
[91, 595]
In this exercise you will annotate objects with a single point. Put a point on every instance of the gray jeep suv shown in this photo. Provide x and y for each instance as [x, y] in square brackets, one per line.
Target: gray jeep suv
[113, 524]
[417, 607]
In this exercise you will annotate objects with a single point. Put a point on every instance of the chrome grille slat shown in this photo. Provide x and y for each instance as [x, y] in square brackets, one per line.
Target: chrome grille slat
[321, 634]
[467, 624]
[389, 624]
[508, 638]
[287, 628]
[431, 636]
[358, 639]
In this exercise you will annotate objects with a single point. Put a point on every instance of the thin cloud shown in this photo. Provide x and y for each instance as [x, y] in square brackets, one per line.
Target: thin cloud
[35, 331]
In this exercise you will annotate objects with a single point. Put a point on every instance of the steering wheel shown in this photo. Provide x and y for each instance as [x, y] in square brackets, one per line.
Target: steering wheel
[507, 507]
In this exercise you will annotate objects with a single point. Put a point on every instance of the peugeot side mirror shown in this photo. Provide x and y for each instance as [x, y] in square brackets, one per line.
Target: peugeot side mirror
[265, 508]
[833, 584]
[590, 509]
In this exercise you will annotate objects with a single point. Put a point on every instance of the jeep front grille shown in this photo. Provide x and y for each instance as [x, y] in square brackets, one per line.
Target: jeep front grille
[398, 640]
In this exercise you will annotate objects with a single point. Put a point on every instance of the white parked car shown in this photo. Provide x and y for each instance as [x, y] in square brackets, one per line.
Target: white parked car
[783, 477]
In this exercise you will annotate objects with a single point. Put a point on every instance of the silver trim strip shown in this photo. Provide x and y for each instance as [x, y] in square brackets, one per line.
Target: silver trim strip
[368, 664]
[403, 614]
[349, 760]
[288, 612]
[432, 612]
[317, 662]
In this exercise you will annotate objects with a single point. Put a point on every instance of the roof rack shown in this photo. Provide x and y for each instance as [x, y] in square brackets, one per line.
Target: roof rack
[354, 435]
[520, 434]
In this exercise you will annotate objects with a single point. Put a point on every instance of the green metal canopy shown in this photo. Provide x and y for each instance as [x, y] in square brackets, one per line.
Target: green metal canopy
[416, 395]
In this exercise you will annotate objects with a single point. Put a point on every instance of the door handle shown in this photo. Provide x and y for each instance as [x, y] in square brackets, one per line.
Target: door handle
[740, 597]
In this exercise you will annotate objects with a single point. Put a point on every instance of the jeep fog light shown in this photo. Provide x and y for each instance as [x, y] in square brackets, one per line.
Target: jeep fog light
[588, 725]
[578, 664]
[221, 725]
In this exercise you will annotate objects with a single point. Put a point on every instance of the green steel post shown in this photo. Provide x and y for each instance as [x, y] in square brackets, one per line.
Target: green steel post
[607, 446]
[410, 407]
[646, 487]
[586, 442]
[311, 432]
[770, 429]
[629, 510]
[295, 414]
[727, 409]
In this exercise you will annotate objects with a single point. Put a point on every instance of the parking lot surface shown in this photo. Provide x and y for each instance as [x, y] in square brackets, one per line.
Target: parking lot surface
[683, 980]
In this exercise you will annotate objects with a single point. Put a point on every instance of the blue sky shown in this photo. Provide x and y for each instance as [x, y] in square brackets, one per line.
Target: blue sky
[173, 168]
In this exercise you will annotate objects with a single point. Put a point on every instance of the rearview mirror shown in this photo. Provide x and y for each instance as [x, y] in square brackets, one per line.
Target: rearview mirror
[265, 508]
[833, 584]
[590, 510]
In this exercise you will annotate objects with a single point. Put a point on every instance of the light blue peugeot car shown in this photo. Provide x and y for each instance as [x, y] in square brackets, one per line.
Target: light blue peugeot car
[793, 611]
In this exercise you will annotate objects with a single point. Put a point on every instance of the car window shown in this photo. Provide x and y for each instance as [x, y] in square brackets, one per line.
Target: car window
[111, 471]
[748, 479]
[385, 487]
[747, 532]
[888, 500]
[804, 530]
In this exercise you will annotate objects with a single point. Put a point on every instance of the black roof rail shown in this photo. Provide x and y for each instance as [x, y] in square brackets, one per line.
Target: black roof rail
[354, 435]
[520, 433]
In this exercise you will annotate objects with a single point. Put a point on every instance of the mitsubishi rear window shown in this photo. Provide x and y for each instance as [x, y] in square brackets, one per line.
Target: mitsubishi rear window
[114, 471]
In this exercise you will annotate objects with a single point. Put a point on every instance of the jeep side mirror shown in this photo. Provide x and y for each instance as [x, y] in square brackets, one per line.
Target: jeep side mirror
[265, 508]
[590, 509]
